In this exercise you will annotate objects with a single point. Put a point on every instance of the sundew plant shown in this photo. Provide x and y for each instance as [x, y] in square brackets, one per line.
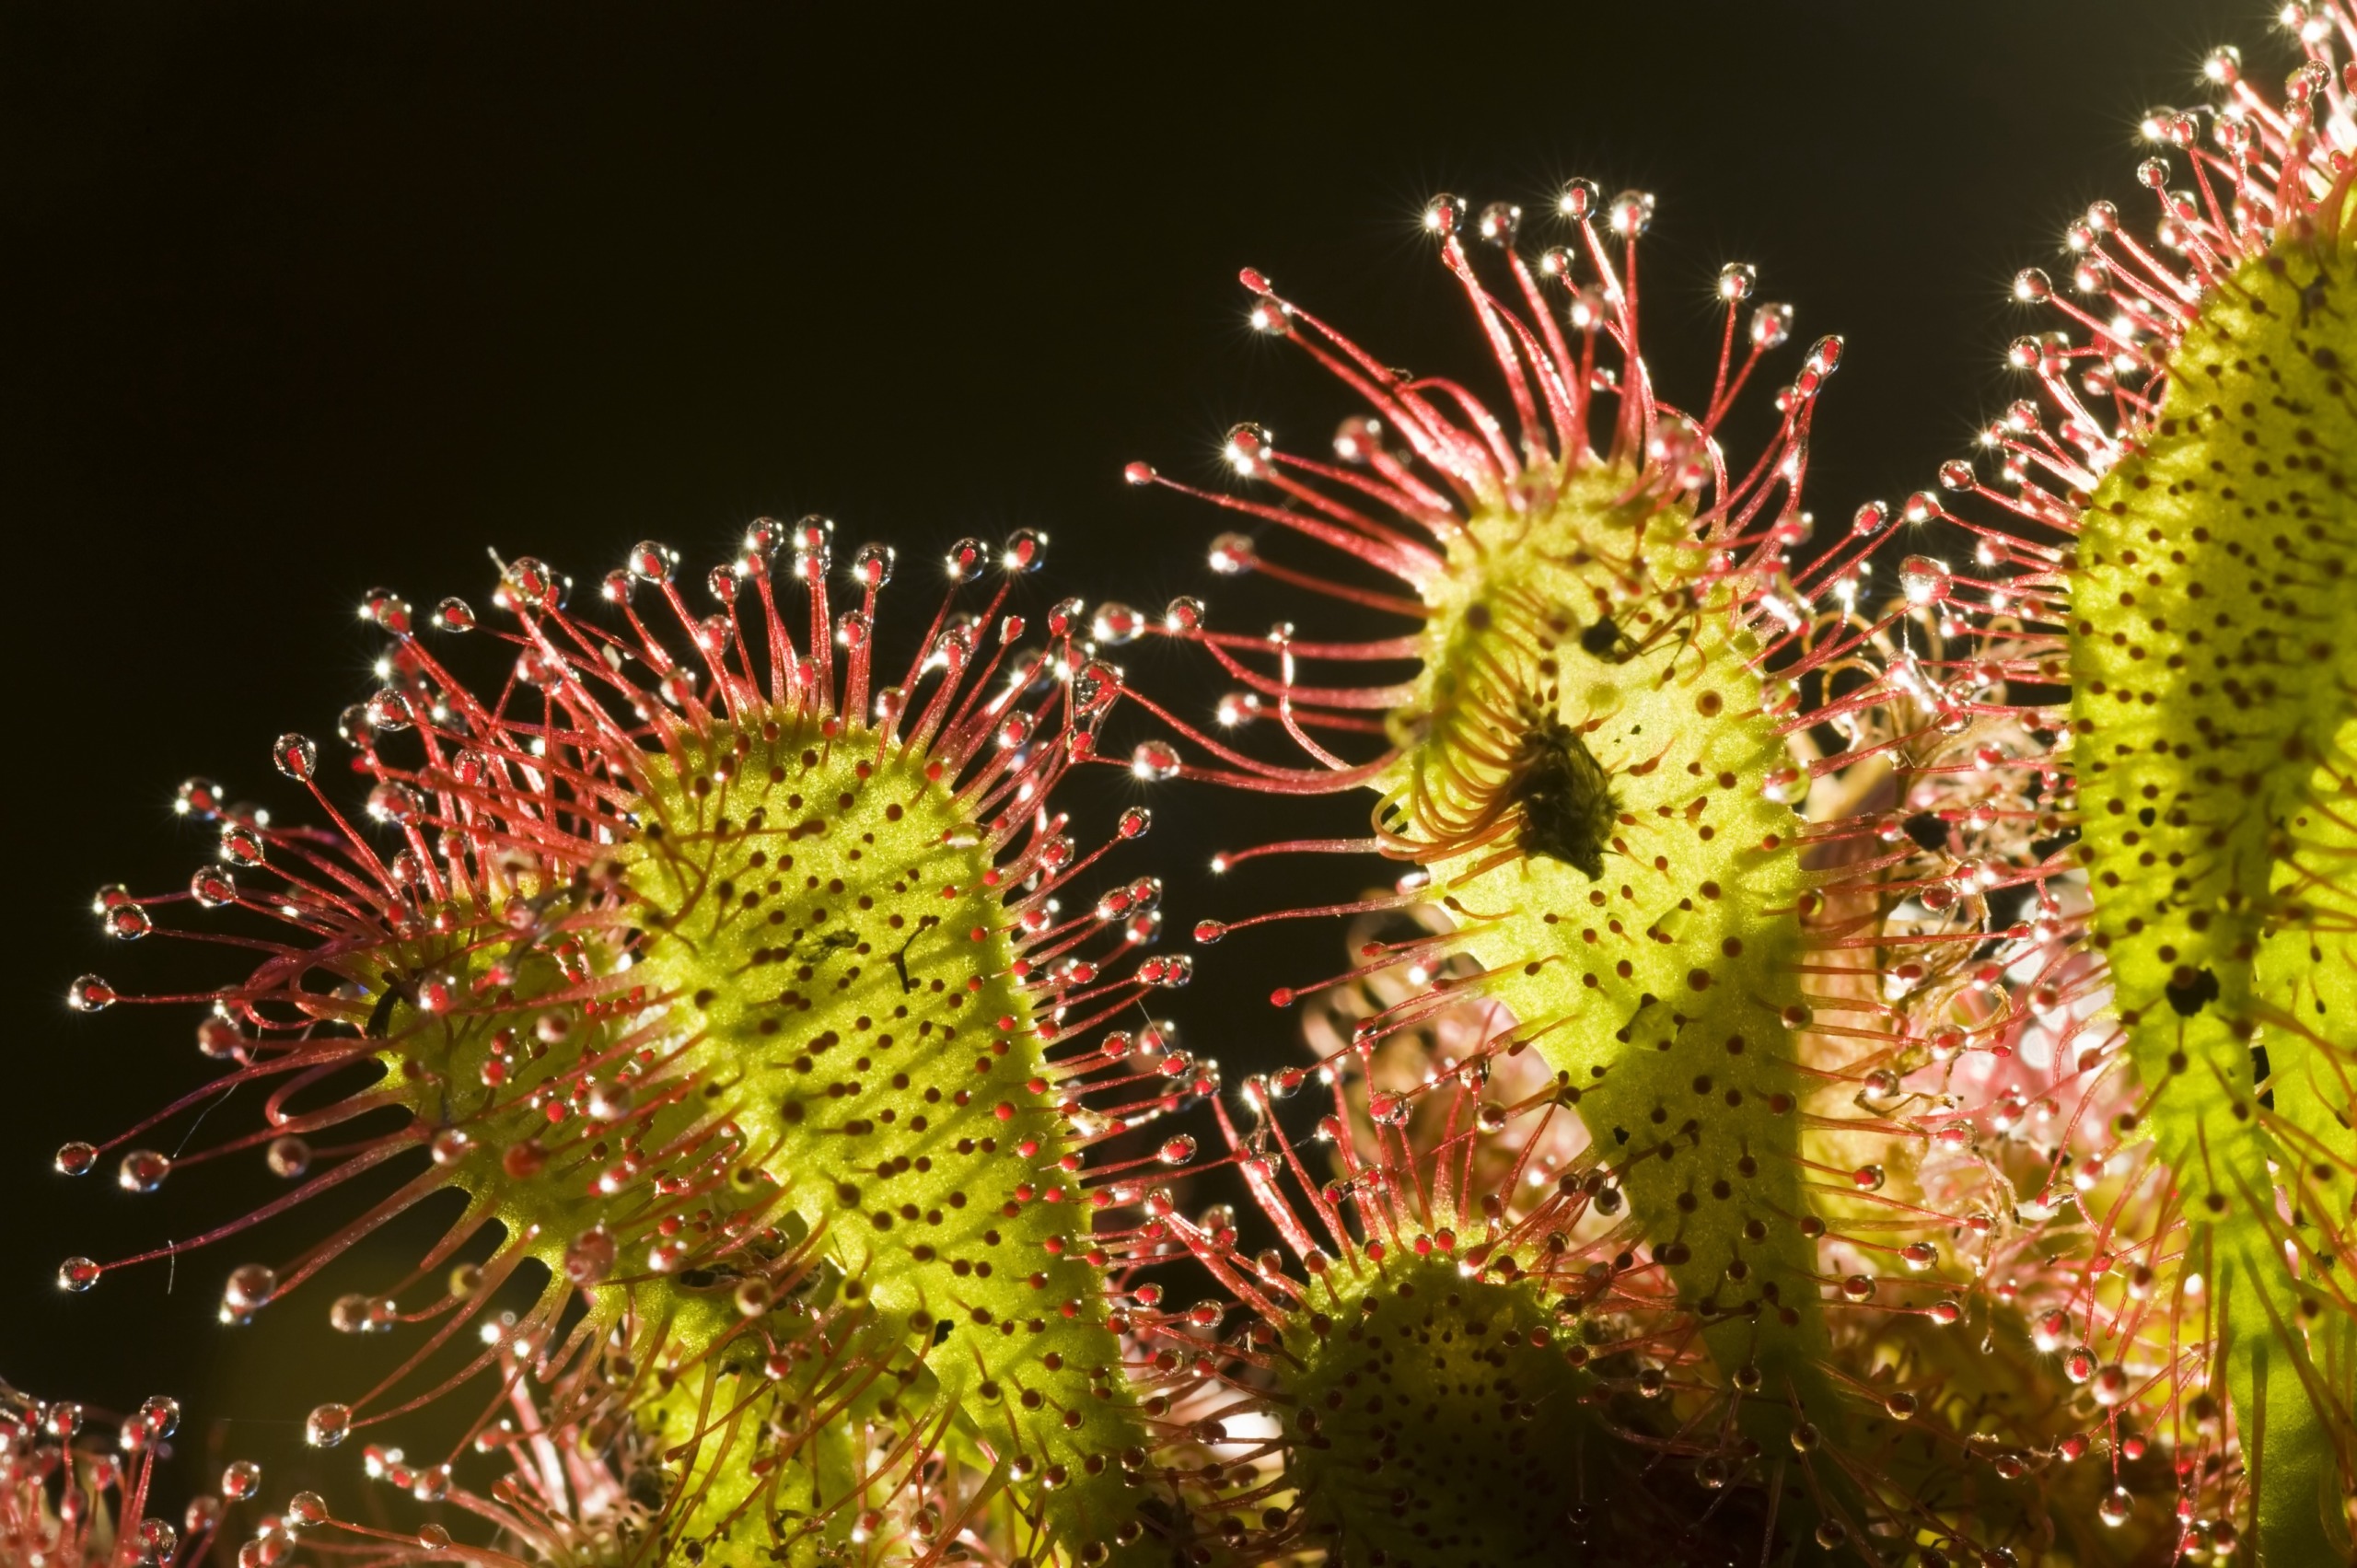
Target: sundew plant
[1845, 1057]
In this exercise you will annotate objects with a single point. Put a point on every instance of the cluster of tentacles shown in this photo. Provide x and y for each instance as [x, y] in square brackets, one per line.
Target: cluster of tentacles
[2173, 516]
[1729, 856]
[1846, 1057]
[734, 989]
[1932, 984]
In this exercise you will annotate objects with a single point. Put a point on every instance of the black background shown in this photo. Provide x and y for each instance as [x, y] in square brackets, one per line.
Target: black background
[306, 298]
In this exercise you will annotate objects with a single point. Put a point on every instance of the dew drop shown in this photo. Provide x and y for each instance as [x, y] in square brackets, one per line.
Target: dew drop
[328, 1425]
[297, 756]
[1771, 325]
[200, 799]
[589, 1258]
[394, 802]
[1248, 448]
[386, 611]
[249, 1288]
[161, 1415]
[212, 886]
[1580, 198]
[1027, 550]
[1925, 580]
[241, 845]
[156, 1541]
[240, 1481]
[77, 1274]
[389, 711]
[288, 1157]
[1632, 214]
[966, 559]
[871, 564]
[142, 1170]
[1155, 761]
[1116, 623]
[1232, 555]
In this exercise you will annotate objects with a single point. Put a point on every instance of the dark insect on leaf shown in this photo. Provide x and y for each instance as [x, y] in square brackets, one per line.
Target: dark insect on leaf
[2044, 848]
[646, 1486]
[380, 1017]
[1927, 831]
[1565, 798]
[1601, 638]
[2189, 990]
[826, 945]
